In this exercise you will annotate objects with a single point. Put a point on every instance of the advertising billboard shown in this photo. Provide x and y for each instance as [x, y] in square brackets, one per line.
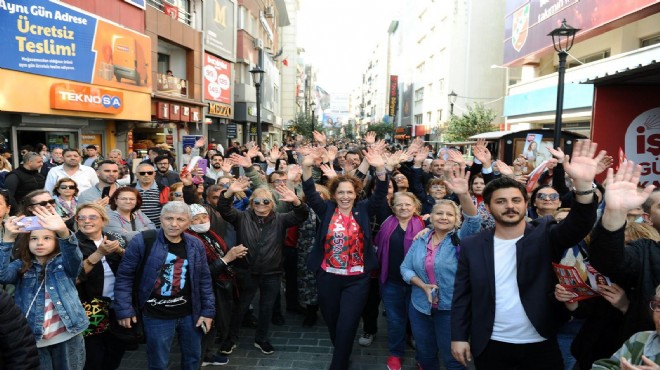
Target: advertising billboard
[394, 95]
[220, 30]
[528, 22]
[57, 40]
[217, 79]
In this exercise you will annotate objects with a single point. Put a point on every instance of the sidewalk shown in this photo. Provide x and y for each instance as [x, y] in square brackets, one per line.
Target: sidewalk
[295, 348]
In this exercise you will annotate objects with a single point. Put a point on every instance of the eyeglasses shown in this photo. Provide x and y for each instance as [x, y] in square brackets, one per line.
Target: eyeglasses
[279, 181]
[90, 217]
[178, 194]
[145, 173]
[64, 187]
[44, 203]
[258, 201]
[655, 305]
[224, 185]
[123, 199]
[438, 187]
[542, 196]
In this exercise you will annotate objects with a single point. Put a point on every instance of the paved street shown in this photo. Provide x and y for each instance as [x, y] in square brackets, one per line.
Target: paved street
[295, 348]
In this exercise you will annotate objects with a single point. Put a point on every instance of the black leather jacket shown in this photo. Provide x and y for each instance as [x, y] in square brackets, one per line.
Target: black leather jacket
[263, 236]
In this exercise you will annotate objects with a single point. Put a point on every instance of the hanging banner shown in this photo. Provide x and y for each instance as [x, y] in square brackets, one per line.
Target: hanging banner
[57, 40]
[217, 79]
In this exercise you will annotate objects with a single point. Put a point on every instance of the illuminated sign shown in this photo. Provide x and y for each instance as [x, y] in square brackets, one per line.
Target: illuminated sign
[76, 97]
[219, 110]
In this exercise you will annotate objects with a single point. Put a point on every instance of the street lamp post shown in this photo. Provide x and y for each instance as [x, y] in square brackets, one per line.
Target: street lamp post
[313, 105]
[562, 40]
[258, 77]
[452, 99]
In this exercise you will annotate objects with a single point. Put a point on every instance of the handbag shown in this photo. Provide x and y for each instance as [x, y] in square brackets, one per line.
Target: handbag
[135, 334]
[98, 313]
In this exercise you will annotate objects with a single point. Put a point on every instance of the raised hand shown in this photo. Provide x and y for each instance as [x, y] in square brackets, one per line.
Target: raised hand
[50, 220]
[252, 152]
[200, 142]
[504, 168]
[421, 155]
[482, 153]
[393, 160]
[293, 171]
[615, 295]
[304, 150]
[332, 153]
[370, 137]
[240, 160]
[458, 181]
[311, 157]
[557, 153]
[328, 171]
[374, 158]
[287, 195]
[456, 156]
[13, 227]
[582, 167]
[274, 154]
[226, 166]
[320, 138]
[622, 193]
[241, 184]
[604, 164]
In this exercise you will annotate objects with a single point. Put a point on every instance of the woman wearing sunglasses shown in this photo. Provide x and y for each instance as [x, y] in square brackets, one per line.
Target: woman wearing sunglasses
[545, 201]
[102, 252]
[262, 231]
[176, 192]
[125, 216]
[66, 192]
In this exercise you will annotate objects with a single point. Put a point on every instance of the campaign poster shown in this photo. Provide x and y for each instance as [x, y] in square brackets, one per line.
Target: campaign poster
[57, 40]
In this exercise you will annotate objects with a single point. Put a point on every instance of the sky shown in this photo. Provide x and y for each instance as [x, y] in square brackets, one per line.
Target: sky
[338, 36]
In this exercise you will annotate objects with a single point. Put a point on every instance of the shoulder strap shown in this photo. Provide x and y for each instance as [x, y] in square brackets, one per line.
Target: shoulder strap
[149, 237]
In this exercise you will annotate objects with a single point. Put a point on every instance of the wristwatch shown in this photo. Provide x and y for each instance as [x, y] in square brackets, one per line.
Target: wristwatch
[585, 192]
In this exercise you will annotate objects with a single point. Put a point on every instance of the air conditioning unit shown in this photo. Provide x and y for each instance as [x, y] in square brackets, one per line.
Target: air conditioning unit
[269, 12]
[258, 43]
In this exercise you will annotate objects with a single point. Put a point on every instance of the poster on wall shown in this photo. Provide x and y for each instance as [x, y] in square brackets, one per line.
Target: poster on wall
[217, 79]
[58, 40]
[642, 145]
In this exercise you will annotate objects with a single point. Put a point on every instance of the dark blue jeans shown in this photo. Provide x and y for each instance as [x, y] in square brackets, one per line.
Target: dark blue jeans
[432, 336]
[160, 333]
[269, 287]
[68, 355]
[396, 299]
[342, 299]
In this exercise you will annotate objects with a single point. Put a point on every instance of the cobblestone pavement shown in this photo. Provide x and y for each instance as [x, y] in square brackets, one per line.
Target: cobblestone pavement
[295, 348]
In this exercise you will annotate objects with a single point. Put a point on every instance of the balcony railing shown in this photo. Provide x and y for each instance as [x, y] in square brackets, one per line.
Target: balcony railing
[171, 85]
[174, 11]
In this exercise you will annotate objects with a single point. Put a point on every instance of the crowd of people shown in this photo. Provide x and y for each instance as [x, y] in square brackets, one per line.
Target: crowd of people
[467, 255]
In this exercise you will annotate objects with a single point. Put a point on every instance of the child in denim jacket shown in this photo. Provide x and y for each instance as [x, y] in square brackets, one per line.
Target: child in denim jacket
[45, 273]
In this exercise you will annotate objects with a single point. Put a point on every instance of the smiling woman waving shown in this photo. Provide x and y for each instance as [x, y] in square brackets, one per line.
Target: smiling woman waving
[343, 255]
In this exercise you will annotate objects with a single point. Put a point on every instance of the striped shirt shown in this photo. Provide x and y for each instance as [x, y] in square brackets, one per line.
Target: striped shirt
[151, 204]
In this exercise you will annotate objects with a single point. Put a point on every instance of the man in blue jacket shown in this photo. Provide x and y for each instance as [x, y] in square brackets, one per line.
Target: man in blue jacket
[175, 291]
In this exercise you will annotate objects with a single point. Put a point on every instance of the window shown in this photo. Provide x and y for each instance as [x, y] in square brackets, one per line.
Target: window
[419, 94]
[241, 18]
[439, 115]
[588, 59]
[420, 68]
[163, 63]
[441, 86]
[650, 41]
[418, 119]
[429, 115]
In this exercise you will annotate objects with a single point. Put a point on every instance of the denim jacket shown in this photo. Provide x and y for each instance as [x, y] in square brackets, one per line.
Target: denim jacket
[444, 266]
[60, 273]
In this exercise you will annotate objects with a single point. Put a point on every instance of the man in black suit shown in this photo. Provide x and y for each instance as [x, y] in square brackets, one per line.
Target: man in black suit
[503, 295]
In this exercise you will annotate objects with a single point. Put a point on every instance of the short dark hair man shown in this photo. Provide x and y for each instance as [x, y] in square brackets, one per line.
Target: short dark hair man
[164, 175]
[107, 172]
[26, 177]
[503, 293]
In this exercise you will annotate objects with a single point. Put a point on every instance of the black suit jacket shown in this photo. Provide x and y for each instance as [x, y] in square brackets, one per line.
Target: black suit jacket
[544, 241]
